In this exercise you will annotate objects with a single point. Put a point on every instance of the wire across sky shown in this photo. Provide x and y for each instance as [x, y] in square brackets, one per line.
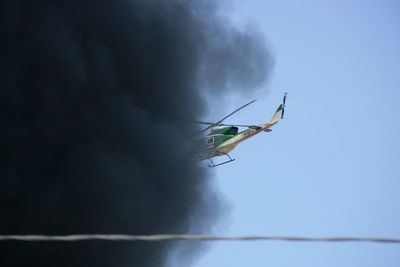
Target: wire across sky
[177, 237]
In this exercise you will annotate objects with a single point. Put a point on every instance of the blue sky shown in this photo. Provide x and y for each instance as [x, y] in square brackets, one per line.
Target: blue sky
[332, 166]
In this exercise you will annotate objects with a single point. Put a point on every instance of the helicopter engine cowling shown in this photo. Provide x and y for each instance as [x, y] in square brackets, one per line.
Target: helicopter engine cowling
[225, 130]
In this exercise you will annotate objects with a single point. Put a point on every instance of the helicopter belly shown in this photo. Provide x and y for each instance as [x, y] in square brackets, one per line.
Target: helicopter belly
[225, 149]
[209, 153]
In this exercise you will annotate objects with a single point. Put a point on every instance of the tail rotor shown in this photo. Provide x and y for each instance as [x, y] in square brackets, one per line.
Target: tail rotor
[283, 104]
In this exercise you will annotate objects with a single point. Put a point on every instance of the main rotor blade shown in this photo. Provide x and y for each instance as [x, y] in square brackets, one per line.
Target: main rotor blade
[199, 132]
[211, 124]
[202, 122]
[237, 125]
[235, 111]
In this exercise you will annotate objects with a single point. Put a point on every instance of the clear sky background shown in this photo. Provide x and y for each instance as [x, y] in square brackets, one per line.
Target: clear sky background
[332, 166]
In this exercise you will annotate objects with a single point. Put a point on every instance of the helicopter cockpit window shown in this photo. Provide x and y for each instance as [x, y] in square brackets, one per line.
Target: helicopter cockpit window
[210, 141]
[234, 130]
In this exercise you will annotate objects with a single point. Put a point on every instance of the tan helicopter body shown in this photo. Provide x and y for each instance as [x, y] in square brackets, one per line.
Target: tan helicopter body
[223, 138]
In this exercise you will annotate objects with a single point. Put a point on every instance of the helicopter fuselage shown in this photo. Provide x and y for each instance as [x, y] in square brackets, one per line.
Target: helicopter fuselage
[223, 138]
[219, 144]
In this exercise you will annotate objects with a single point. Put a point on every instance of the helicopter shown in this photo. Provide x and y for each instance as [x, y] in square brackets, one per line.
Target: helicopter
[223, 138]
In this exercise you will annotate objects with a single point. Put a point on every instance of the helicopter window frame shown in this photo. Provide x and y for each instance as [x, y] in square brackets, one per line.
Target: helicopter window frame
[210, 140]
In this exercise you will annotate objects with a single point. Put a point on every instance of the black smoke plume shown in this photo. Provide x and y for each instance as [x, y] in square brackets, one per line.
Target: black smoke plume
[92, 96]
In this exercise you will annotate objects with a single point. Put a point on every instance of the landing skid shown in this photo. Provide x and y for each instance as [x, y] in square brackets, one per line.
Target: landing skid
[219, 164]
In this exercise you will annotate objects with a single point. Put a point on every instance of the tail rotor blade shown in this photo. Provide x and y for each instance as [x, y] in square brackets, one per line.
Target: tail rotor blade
[283, 105]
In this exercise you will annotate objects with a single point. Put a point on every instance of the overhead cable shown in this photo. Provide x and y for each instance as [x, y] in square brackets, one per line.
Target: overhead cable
[175, 237]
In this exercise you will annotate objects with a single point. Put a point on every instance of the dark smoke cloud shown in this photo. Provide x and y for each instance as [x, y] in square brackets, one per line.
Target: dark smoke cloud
[92, 93]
